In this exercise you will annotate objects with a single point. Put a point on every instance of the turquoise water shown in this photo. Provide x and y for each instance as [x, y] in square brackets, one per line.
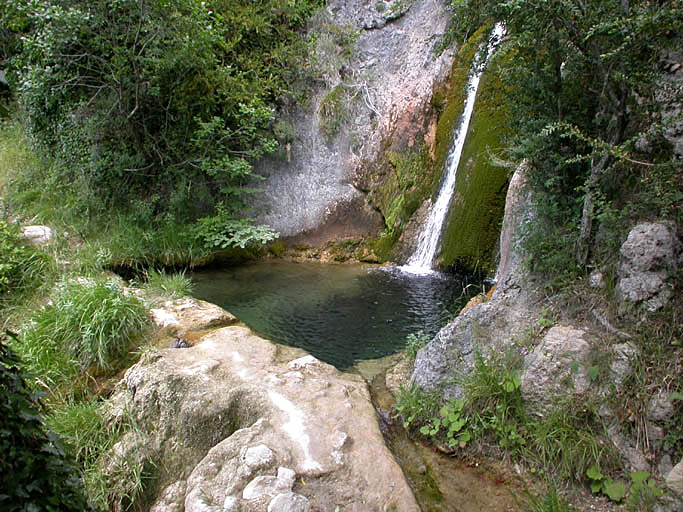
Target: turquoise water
[339, 313]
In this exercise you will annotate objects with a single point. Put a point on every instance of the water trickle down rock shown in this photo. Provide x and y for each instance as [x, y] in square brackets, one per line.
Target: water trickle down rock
[387, 82]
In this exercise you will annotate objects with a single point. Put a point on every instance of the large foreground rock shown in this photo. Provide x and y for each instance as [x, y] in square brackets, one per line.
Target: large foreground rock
[236, 422]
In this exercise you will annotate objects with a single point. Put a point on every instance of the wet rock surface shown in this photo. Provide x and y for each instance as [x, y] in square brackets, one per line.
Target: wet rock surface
[314, 192]
[511, 311]
[235, 422]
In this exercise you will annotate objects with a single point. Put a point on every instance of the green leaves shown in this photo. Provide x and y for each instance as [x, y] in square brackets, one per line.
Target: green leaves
[34, 473]
[182, 105]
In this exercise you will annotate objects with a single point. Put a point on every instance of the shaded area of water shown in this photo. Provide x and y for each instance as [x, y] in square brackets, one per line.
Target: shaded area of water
[339, 313]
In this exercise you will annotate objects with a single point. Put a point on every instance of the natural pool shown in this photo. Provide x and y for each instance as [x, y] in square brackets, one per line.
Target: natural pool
[340, 313]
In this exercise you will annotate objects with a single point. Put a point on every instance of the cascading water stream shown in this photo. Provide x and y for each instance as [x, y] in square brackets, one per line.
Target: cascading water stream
[428, 242]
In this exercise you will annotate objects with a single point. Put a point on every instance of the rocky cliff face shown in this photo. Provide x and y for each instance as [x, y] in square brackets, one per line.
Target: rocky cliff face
[376, 67]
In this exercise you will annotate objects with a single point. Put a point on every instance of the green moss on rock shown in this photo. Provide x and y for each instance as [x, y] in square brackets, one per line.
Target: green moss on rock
[409, 179]
[473, 223]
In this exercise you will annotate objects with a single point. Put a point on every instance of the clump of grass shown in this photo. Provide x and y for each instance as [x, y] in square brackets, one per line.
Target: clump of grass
[175, 285]
[567, 441]
[548, 502]
[87, 324]
[22, 266]
[89, 436]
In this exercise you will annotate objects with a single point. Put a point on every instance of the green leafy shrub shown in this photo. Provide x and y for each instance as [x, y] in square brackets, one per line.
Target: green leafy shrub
[223, 230]
[173, 114]
[35, 474]
[87, 324]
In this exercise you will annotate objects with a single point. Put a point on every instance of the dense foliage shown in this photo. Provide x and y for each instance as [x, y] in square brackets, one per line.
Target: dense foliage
[587, 110]
[35, 474]
[164, 104]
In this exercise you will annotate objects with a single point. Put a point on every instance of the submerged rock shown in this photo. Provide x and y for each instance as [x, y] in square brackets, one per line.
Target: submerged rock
[236, 422]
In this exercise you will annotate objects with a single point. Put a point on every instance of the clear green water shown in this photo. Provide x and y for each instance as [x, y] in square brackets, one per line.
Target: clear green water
[339, 313]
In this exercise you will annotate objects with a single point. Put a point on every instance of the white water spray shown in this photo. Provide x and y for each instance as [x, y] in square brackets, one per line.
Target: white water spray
[428, 242]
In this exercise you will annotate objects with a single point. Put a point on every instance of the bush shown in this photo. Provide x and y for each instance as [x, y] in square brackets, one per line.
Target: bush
[170, 285]
[172, 114]
[35, 474]
[88, 324]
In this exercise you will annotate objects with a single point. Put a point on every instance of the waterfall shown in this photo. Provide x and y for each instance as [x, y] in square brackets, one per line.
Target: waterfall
[428, 242]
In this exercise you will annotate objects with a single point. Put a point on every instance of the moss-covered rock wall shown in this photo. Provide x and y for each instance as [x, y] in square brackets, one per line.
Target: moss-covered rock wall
[473, 223]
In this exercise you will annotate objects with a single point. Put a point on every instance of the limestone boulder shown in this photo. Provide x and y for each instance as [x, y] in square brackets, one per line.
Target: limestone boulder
[649, 256]
[236, 422]
[190, 314]
[509, 314]
[556, 368]
[674, 480]
[38, 235]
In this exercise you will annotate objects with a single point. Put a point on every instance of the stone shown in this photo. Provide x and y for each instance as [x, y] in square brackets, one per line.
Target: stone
[38, 235]
[289, 502]
[171, 498]
[596, 279]
[674, 480]
[660, 408]
[258, 457]
[222, 413]
[631, 454]
[556, 367]
[189, 314]
[286, 477]
[623, 356]
[649, 256]
[262, 486]
[665, 465]
[231, 504]
[510, 312]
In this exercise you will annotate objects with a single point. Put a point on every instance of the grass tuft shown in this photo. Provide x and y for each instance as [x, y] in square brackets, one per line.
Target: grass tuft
[87, 324]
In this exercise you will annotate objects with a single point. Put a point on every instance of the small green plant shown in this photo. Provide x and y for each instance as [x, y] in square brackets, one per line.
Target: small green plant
[174, 285]
[599, 483]
[644, 492]
[547, 317]
[414, 342]
[277, 249]
[416, 407]
[451, 421]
